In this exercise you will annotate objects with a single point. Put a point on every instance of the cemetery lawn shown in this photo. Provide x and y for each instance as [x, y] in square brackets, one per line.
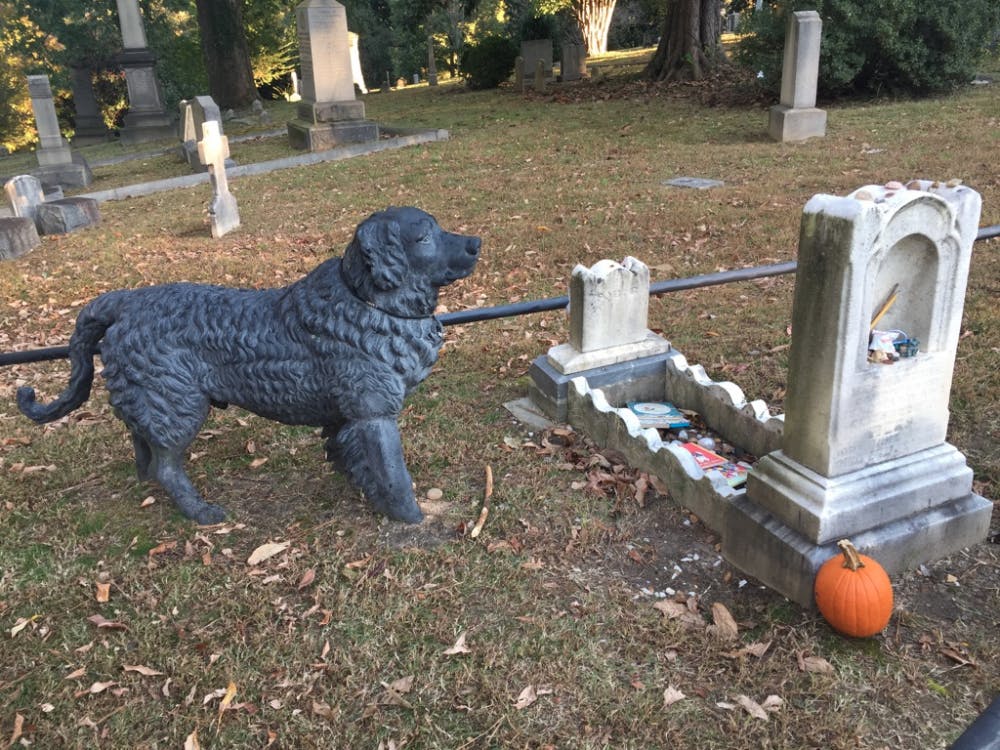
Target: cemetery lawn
[124, 625]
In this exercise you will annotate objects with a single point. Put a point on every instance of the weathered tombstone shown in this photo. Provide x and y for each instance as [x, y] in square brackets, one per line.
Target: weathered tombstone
[59, 216]
[432, 73]
[608, 338]
[535, 50]
[67, 215]
[194, 114]
[25, 195]
[213, 149]
[539, 77]
[356, 75]
[796, 117]
[17, 236]
[864, 453]
[574, 61]
[329, 114]
[146, 119]
[519, 73]
[89, 124]
[296, 95]
[57, 164]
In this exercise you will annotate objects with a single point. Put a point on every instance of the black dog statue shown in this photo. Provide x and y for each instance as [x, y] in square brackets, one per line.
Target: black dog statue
[339, 349]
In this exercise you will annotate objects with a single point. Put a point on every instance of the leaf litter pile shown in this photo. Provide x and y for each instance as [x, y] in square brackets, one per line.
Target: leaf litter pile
[556, 596]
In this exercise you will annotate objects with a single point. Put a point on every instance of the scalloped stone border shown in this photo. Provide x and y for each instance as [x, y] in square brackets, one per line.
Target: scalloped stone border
[724, 409]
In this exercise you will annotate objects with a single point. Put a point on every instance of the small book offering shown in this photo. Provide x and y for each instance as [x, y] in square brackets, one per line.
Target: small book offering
[705, 458]
[735, 474]
[659, 414]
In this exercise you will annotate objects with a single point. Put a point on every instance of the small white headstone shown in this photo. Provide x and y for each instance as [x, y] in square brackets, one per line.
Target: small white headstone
[609, 306]
[25, 195]
[213, 150]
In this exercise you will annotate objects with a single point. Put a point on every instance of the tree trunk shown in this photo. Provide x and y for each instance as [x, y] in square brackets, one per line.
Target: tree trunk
[226, 53]
[594, 19]
[690, 46]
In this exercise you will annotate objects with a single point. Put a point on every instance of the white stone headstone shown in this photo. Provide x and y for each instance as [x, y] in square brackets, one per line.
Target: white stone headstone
[864, 453]
[796, 117]
[53, 148]
[213, 150]
[609, 306]
[25, 195]
[324, 51]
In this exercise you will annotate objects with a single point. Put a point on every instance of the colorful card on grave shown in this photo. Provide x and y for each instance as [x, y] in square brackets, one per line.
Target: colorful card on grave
[706, 459]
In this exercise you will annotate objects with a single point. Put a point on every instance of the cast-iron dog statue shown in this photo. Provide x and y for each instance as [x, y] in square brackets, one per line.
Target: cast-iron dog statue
[339, 349]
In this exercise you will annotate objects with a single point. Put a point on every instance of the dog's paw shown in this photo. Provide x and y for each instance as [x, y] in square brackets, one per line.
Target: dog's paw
[407, 513]
[210, 514]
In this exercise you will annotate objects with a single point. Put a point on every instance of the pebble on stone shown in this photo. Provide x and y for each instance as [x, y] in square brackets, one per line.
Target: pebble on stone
[435, 493]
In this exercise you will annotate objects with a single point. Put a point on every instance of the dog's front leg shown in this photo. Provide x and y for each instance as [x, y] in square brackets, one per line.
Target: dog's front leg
[371, 452]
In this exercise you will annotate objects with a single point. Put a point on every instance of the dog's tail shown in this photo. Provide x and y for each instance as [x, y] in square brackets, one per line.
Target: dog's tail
[91, 324]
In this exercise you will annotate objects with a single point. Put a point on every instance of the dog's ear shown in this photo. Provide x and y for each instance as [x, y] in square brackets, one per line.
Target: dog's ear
[382, 249]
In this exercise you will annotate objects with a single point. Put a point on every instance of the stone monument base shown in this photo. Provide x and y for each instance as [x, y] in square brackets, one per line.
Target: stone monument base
[763, 546]
[826, 509]
[321, 126]
[142, 127]
[788, 124]
[633, 380]
[74, 174]
[18, 235]
[568, 360]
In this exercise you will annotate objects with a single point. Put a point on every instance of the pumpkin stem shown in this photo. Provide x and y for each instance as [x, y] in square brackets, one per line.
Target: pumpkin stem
[852, 559]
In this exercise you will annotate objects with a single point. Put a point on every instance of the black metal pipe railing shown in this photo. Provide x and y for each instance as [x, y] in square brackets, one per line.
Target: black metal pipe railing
[526, 308]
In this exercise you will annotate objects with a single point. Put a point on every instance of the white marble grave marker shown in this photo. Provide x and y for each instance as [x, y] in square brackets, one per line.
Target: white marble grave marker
[796, 117]
[864, 453]
[213, 150]
[608, 309]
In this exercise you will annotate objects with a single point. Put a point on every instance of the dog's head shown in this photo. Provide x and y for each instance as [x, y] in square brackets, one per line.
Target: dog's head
[400, 258]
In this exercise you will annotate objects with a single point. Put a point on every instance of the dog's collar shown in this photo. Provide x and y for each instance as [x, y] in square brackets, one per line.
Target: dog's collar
[372, 305]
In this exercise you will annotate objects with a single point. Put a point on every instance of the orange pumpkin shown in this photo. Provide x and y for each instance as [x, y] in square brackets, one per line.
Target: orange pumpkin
[853, 593]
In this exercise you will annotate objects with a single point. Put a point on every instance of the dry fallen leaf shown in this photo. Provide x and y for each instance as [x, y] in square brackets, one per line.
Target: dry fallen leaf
[814, 664]
[147, 502]
[267, 551]
[752, 707]
[307, 578]
[724, 626]
[753, 649]
[102, 622]
[459, 647]
[191, 741]
[673, 610]
[162, 547]
[671, 695]
[22, 623]
[103, 594]
[18, 730]
[75, 674]
[772, 703]
[227, 698]
[402, 686]
[147, 671]
[526, 698]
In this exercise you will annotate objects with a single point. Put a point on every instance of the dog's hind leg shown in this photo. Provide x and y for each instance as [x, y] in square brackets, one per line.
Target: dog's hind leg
[143, 458]
[371, 452]
[168, 465]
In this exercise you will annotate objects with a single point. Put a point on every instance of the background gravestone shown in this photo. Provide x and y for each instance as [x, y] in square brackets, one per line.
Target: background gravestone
[796, 117]
[194, 114]
[328, 115]
[147, 118]
[57, 164]
[574, 61]
[864, 453]
[89, 126]
[535, 50]
[213, 149]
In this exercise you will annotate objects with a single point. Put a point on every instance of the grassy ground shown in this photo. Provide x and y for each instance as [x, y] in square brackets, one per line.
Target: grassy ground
[348, 637]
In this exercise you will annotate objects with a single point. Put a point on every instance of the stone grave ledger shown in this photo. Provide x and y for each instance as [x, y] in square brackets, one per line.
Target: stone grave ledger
[328, 114]
[864, 453]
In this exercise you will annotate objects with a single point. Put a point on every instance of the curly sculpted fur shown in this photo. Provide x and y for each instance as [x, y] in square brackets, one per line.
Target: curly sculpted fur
[339, 349]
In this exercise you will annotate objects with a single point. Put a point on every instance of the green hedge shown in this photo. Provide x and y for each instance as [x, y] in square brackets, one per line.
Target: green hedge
[909, 47]
[489, 62]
